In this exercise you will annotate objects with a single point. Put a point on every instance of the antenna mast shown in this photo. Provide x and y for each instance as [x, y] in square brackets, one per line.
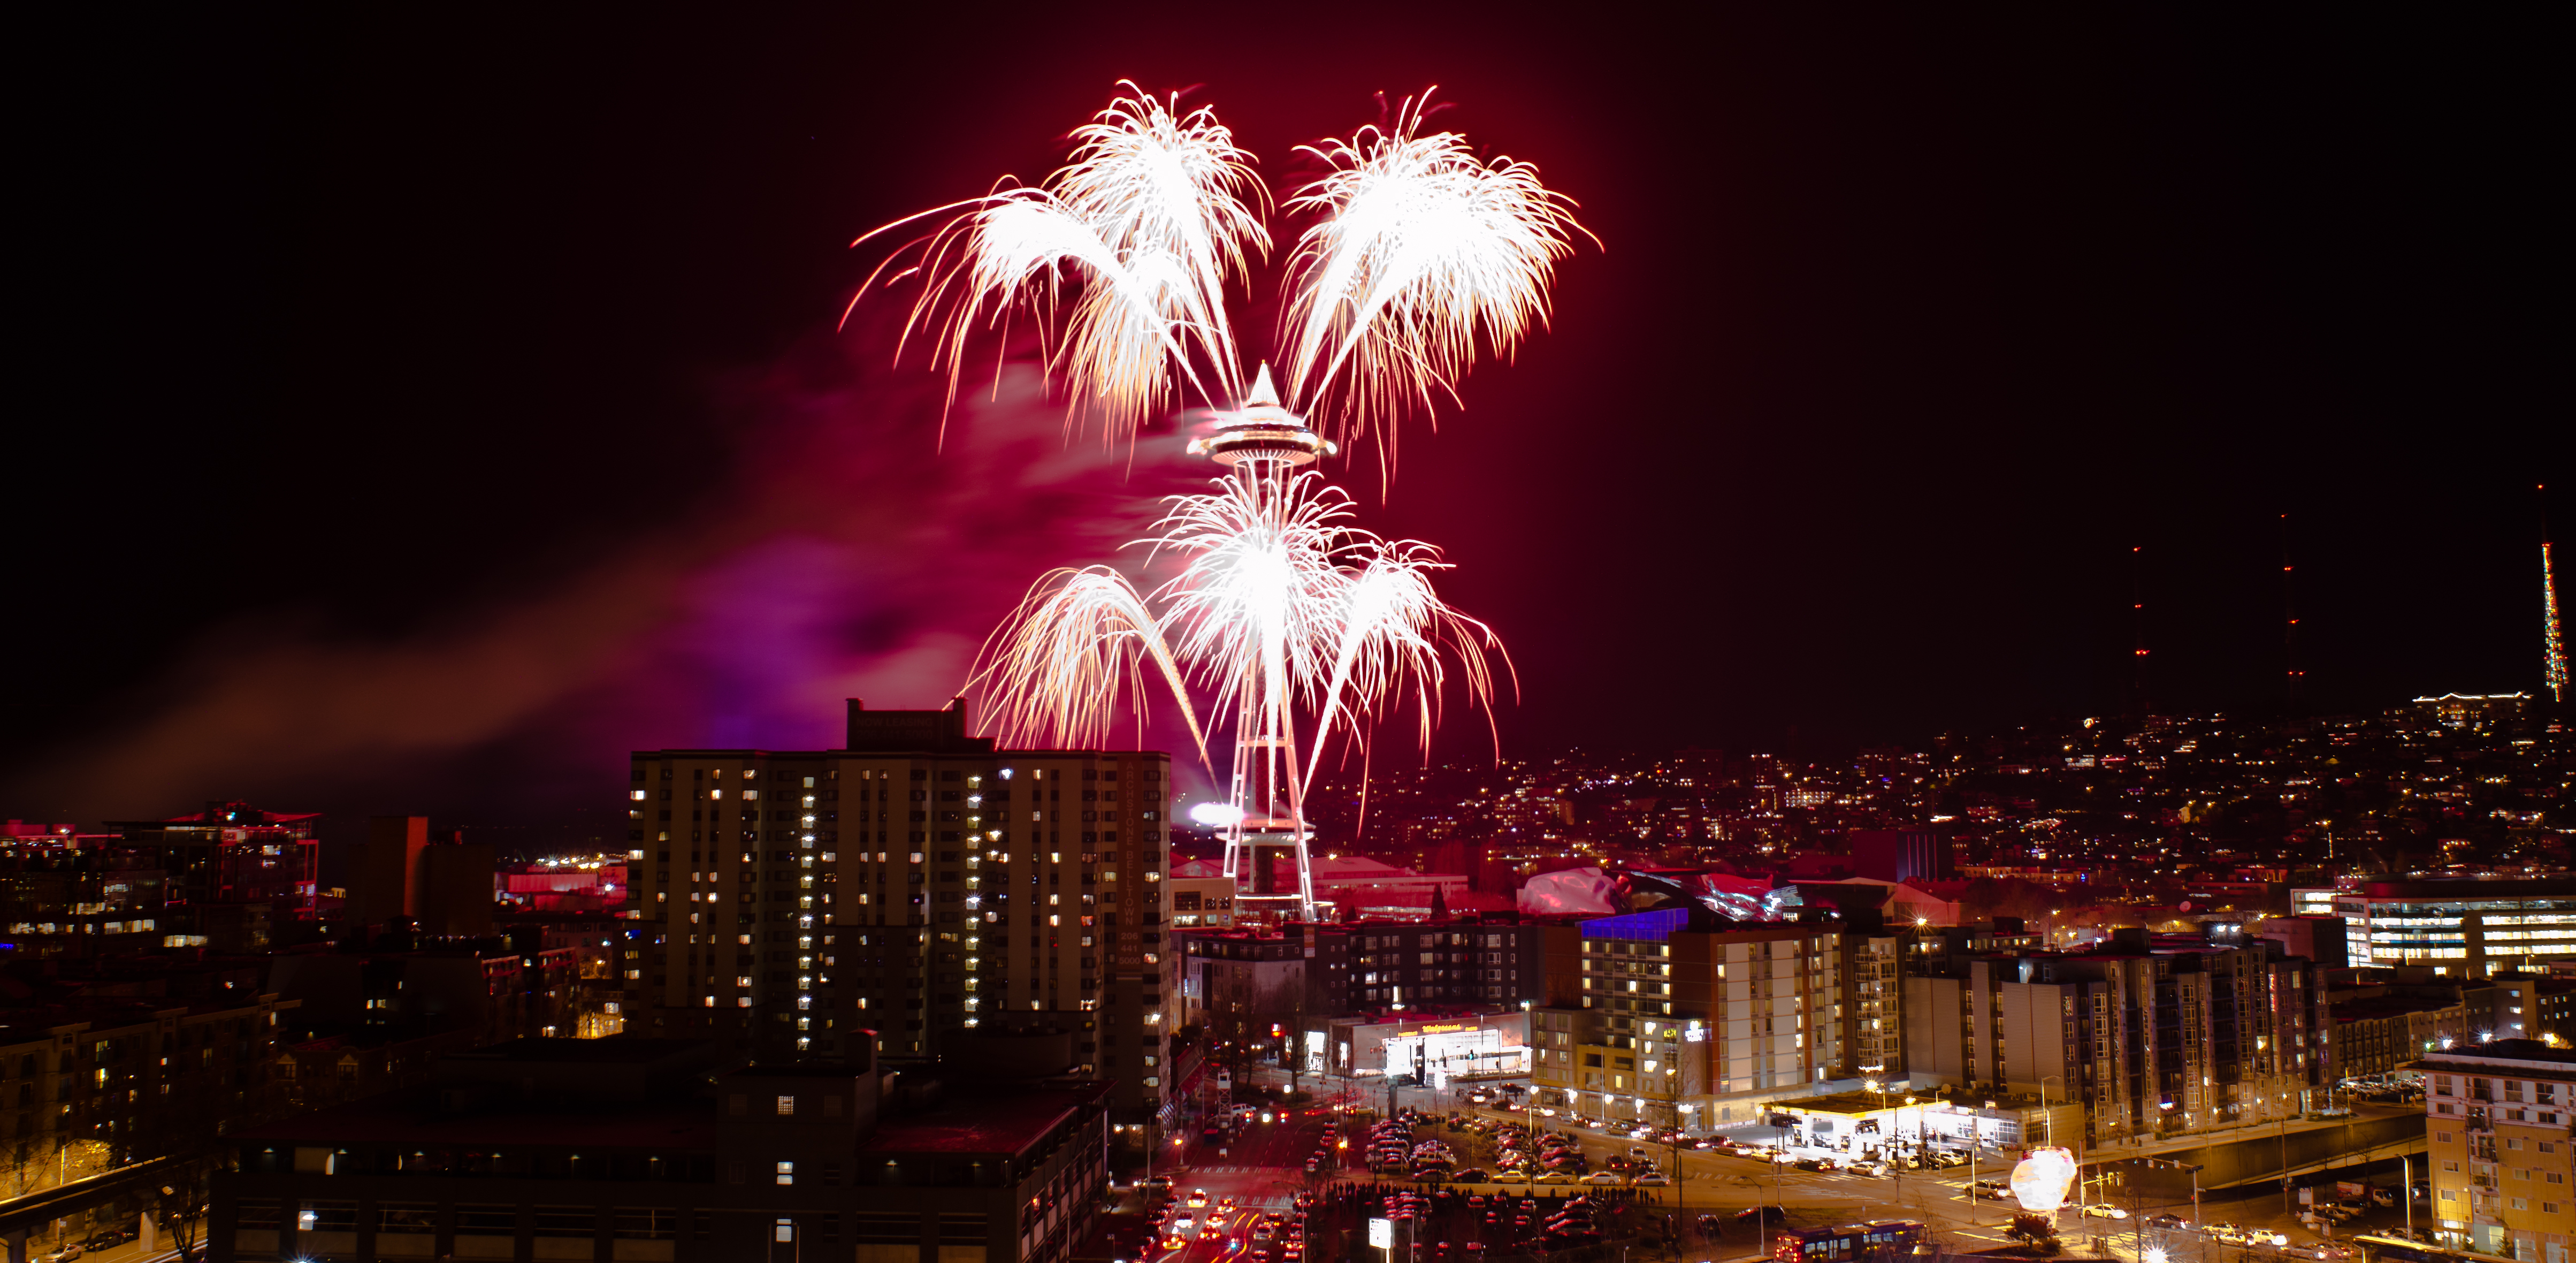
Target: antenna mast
[2552, 649]
[2138, 619]
[2289, 624]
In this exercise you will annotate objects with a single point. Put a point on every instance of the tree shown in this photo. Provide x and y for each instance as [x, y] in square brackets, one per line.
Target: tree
[2034, 1230]
[182, 1205]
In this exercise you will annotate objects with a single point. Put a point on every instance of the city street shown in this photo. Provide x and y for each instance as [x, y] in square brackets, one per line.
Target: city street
[1264, 1166]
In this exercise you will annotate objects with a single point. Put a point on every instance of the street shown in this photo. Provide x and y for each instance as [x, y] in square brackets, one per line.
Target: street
[1263, 1167]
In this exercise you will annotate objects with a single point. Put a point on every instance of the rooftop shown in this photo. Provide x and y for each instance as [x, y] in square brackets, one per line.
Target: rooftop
[1004, 1120]
[666, 1124]
[620, 1050]
[2529, 1053]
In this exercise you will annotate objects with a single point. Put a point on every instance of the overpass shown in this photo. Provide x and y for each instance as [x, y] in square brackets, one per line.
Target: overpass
[131, 1189]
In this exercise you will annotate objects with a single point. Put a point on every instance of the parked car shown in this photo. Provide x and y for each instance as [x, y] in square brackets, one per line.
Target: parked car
[1753, 1213]
[2104, 1210]
[1652, 1179]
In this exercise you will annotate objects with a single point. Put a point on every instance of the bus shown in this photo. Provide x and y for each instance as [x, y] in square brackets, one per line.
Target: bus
[1878, 1241]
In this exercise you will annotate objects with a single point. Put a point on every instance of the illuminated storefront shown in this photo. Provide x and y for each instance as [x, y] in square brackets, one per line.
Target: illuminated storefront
[1432, 1051]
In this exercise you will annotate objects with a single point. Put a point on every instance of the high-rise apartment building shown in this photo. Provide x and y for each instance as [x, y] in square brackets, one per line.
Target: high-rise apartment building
[1692, 1027]
[2161, 1039]
[2497, 1121]
[915, 883]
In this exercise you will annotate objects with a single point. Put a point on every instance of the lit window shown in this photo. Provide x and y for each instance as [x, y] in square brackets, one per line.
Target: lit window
[786, 1170]
[786, 1106]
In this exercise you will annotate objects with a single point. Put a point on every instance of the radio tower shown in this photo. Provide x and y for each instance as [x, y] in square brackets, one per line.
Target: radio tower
[2289, 623]
[2138, 619]
[2553, 651]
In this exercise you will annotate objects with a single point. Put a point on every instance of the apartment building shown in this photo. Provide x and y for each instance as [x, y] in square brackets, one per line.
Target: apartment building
[912, 883]
[1692, 1027]
[600, 1149]
[1462, 963]
[2497, 1121]
[2163, 1039]
[128, 1080]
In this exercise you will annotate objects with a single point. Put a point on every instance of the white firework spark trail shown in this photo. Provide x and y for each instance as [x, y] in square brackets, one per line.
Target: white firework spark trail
[1283, 608]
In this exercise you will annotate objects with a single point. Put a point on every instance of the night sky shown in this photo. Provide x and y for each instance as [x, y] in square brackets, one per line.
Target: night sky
[432, 412]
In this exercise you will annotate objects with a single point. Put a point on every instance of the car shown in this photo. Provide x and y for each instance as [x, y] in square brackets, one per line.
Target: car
[1468, 1175]
[68, 1252]
[1155, 1183]
[2166, 1221]
[1753, 1214]
[1198, 1197]
[1170, 1242]
[1211, 1233]
[1184, 1225]
[1813, 1164]
[1552, 1177]
[2104, 1210]
[1517, 1175]
[1652, 1179]
[1602, 1177]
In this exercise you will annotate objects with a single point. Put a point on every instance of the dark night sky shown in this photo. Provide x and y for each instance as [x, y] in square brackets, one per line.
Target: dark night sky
[440, 409]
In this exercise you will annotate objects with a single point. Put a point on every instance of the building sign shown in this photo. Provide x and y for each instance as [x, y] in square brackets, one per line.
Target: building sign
[1694, 1034]
[1382, 1233]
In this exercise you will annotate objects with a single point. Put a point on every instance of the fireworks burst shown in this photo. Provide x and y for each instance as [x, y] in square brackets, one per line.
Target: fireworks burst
[1283, 606]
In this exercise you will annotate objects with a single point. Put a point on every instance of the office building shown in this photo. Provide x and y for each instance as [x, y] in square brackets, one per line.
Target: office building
[915, 882]
[2498, 1147]
[600, 1149]
[234, 876]
[2463, 927]
[1201, 902]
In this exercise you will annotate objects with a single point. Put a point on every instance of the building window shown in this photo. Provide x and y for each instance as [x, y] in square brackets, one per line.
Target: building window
[786, 1172]
[786, 1106]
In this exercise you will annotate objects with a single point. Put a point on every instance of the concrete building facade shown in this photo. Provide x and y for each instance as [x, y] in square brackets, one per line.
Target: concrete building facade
[912, 884]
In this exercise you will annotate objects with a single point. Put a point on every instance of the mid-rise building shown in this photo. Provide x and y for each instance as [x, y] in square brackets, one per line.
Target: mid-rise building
[2462, 927]
[2497, 1137]
[119, 1079]
[913, 883]
[2155, 1037]
[601, 1149]
[1692, 1027]
[235, 876]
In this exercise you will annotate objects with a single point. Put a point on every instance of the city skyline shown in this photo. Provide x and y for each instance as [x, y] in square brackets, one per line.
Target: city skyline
[1913, 485]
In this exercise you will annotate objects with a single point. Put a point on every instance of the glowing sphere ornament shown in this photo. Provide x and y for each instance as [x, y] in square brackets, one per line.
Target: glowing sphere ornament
[2040, 1180]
